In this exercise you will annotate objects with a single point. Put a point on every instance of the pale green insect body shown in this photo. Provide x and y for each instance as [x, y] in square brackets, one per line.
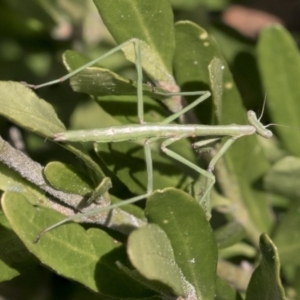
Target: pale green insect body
[146, 131]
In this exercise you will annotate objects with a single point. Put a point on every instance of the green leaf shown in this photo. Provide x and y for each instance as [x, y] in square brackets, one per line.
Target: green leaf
[66, 178]
[149, 21]
[287, 235]
[191, 237]
[23, 107]
[85, 256]
[152, 64]
[239, 53]
[195, 50]
[73, 60]
[32, 172]
[111, 91]
[216, 69]
[14, 257]
[283, 178]
[229, 234]
[265, 282]
[103, 82]
[278, 54]
[92, 167]
[151, 253]
[133, 210]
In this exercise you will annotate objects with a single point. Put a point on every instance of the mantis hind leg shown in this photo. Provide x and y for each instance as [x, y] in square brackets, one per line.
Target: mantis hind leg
[205, 199]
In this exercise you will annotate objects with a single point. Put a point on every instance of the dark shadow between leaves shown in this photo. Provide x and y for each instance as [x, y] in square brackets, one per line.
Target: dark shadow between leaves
[122, 160]
[13, 252]
[113, 281]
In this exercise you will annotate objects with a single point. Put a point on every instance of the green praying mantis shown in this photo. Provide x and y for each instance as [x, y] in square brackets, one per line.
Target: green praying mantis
[151, 132]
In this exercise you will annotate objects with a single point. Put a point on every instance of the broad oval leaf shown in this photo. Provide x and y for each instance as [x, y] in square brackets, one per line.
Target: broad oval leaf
[22, 106]
[149, 21]
[103, 82]
[85, 256]
[151, 253]
[191, 237]
[65, 178]
[278, 54]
